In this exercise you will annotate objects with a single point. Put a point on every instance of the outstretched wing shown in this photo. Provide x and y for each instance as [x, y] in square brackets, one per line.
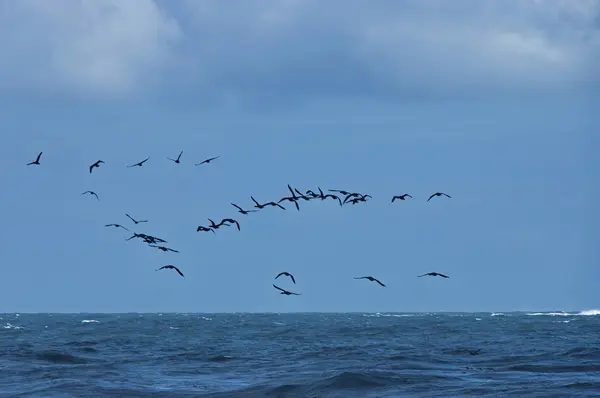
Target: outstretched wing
[278, 288]
[430, 197]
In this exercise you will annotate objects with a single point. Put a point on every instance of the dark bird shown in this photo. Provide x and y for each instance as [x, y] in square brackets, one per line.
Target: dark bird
[335, 197]
[216, 226]
[37, 160]
[303, 196]
[146, 238]
[240, 210]
[97, 164]
[140, 163]
[401, 197]
[438, 194]
[286, 292]
[434, 274]
[164, 248]
[116, 226]
[231, 221]
[340, 191]
[204, 229]
[134, 220]
[207, 160]
[170, 267]
[286, 274]
[351, 196]
[91, 193]
[291, 199]
[259, 206]
[370, 278]
[178, 157]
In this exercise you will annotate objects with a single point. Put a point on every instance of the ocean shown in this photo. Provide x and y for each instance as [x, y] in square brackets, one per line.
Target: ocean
[301, 355]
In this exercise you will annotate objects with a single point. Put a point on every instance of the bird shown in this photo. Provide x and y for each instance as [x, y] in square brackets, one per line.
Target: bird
[207, 160]
[204, 229]
[370, 278]
[37, 160]
[140, 163]
[286, 292]
[216, 226]
[171, 267]
[178, 157]
[434, 274]
[335, 197]
[231, 221]
[259, 206]
[438, 194]
[97, 164]
[286, 274]
[116, 226]
[240, 210]
[340, 191]
[401, 197]
[164, 248]
[134, 220]
[91, 193]
[291, 199]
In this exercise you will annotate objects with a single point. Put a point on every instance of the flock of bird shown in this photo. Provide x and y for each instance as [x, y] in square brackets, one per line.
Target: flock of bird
[343, 198]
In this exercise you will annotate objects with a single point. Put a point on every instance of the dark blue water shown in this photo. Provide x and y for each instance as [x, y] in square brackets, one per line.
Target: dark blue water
[300, 355]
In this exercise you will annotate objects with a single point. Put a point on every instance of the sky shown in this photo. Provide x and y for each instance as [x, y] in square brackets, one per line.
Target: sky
[492, 102]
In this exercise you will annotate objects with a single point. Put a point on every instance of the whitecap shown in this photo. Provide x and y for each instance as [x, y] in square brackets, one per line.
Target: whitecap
[477, 319]
[550, 314]
[205, 318]
[11, 326]
[90, 321]
[173, 327]
[497, 314]
[589, 312]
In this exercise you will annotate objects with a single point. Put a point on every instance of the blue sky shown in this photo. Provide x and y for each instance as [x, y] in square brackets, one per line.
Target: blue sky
[496, 106]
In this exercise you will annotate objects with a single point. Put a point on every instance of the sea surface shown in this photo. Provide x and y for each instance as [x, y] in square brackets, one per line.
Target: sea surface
[301, 355]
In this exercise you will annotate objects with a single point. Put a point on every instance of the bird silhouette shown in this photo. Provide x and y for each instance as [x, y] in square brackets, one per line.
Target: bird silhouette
[204, 229]
[36, 161]
[401, 197]
[97, 164]
[438, 194]
[231, 221]
[178, 157]
[134, 220]
[286, 274]
[434, 274]
[259, 206]
[140, 164]
[240, 210]
[286, 292]
[171, 267]
[370, 278]
[207, 160]
[91, 193]
[116, 226]
[164, 248]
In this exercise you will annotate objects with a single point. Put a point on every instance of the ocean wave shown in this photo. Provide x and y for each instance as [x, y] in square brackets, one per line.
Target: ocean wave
[563, 313]
[89, 321]
[59, 357]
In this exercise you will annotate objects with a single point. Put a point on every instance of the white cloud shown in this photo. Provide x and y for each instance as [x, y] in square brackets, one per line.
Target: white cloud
[295, 49]
[97, 46]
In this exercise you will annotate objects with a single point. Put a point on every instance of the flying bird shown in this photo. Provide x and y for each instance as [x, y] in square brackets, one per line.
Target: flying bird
[286, 274]
[164, 248]
[37, 160]
[231, 221]
[340, 191]
[216, 226]
[370, 278]
[286, 292]
[204, 229]
[116, 226]
[438, 194]
[91, 193]
[170, 267]
[259, 206]
[207, 160]
[134, 220]
[140, 163]
[401, 197]
[434, 274]
[97, 164]
[178, 157]
[240, 210]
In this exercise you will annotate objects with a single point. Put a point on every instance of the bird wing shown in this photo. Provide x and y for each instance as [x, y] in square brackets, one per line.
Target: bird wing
[297, 205]
[430, 197]
[277, 204]
[131, 218]
[96, 195]
[180, 153]
[173, 250]
[178, 271]
[279, 274]
[445, 194]
[163, 267]
[83, 193]
[278, 288]
[360, 277]
[293, 279]
[422, 275]
[38, 157]
[254, 200]
[394, 198]
[145, 160]
[378, 281]
[236, 206]
[91, 168]
[443, 276]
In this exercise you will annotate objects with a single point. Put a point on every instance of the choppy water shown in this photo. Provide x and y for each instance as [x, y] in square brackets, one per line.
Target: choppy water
[300, 355]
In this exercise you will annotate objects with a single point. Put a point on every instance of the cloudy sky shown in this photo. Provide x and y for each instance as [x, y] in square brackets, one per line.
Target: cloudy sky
[494, 102]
